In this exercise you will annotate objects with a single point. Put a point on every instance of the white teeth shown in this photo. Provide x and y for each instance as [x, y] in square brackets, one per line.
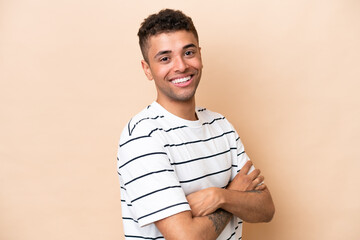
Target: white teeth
[181, 80]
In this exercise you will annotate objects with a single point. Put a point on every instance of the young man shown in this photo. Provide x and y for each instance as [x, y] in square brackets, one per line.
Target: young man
[183, 170]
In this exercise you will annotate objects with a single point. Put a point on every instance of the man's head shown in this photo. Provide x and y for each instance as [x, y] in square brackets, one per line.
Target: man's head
[165, 21]
[172, 57]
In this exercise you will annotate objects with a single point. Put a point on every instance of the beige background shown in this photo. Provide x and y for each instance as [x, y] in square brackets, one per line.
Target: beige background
[285, 73]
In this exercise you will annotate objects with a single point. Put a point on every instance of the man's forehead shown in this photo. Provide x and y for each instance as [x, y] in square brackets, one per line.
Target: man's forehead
[176, 39]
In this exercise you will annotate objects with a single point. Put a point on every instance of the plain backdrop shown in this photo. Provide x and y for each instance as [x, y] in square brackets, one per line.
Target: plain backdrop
[285, 73]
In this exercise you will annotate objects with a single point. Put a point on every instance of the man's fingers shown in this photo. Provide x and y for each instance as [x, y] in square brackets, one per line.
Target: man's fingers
[245, 169]
[255, 183]
[261, 187]
[260, 179]
[254, 174]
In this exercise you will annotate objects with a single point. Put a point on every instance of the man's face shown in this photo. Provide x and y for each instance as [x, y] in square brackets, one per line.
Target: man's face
[175, 66]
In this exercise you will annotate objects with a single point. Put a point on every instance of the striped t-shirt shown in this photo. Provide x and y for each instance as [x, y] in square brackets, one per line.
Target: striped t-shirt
[162, 158]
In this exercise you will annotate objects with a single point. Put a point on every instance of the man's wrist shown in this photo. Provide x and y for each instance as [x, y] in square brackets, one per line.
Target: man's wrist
[221, 197]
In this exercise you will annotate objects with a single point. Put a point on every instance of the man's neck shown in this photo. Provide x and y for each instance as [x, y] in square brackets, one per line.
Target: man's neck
[185, 110]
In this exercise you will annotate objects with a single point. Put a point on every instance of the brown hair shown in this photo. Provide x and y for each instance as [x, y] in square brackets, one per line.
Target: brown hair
[167, 20]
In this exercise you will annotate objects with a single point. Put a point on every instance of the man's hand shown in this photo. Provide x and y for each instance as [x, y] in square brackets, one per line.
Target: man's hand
[204, 202]
[247, 182]
[207, 201]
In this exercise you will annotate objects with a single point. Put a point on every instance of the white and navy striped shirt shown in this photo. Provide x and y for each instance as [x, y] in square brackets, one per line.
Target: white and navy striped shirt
[162, 158]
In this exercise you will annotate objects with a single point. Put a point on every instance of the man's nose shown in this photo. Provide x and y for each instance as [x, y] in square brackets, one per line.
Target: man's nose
[180, 65]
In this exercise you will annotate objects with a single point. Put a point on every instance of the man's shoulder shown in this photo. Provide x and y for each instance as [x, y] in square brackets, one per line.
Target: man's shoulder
[142, 123]
[208, 115]
[214, 119]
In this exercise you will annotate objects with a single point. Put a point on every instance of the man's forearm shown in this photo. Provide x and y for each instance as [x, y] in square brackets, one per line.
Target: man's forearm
[250, 206]
[219, 219]
[184, 226]
[246, 197]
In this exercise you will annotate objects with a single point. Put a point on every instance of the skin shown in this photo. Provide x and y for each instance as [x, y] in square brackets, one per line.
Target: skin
[173, 56]
[177, 55]
[246, 197]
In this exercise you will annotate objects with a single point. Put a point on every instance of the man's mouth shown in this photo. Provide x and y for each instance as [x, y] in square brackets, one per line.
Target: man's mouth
[181, 80]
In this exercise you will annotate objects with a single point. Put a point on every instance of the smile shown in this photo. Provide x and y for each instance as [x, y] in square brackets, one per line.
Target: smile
[181, 80]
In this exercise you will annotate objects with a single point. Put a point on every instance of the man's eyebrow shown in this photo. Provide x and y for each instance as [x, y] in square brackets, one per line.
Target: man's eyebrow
[162, 53]
[189, 46]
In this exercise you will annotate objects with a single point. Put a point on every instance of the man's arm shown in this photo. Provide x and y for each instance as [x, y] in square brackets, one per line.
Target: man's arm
[252, 203]
[185, 226]
[251, 206]
[243, 197]
[209, 223]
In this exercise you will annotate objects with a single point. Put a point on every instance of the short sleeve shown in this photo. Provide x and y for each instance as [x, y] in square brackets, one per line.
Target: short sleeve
[242, 157]
[150, 182]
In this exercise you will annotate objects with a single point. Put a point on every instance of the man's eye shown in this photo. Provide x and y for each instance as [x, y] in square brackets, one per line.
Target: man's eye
[189, 53]
[164, 59]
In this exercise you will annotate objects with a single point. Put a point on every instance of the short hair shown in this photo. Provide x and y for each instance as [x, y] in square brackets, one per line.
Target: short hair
[167, 20]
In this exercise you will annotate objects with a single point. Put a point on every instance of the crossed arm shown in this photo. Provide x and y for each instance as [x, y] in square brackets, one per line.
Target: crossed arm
[212, 208]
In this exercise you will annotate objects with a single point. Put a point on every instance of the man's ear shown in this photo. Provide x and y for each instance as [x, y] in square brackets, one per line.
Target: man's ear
[146, 69]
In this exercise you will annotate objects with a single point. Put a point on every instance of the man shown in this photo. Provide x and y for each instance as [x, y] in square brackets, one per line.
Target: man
[183, 170]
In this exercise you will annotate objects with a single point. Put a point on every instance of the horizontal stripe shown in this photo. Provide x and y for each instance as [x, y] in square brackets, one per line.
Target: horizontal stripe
[241, 153]
[150, 173]
[168, 130]
[124, 202]
[231, 235]
[148, 118]
[201, 158]
[201, 110]
[141, 237]
[133, 139]
[141, 156]
[197, 141]
[151, 132]
[234, 231]
[159, 190]
[163, 209]
[216, 119]
[129, 205]
[129, 218]
[207, 175]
